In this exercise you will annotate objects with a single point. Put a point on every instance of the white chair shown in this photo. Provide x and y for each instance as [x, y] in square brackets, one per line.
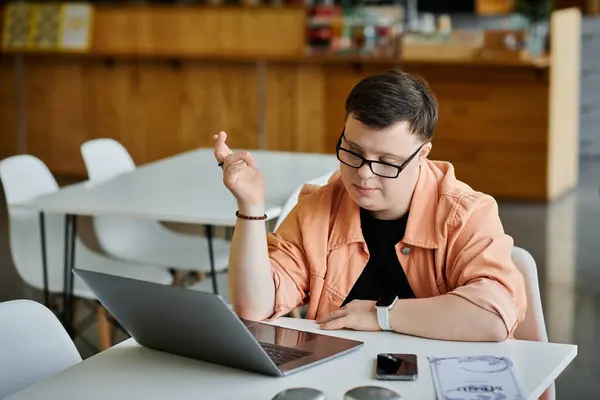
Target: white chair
[140, 240]
[25, 177]
[35, 345]
[293, 199]
[533, 327]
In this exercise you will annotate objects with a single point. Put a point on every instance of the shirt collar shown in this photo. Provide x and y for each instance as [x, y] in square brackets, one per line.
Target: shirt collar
[420, 228]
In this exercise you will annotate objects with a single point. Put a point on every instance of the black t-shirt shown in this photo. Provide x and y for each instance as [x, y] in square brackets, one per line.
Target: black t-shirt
[383, 274]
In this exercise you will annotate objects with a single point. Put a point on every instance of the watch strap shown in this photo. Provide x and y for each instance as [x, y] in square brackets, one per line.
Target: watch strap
[383, 315]
[383, 318]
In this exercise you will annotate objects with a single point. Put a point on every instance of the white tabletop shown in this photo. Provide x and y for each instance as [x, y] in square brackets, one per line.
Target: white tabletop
[185, 188]
[129, 371]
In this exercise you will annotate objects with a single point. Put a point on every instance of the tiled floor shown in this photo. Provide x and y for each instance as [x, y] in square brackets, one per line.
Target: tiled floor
[564, 239]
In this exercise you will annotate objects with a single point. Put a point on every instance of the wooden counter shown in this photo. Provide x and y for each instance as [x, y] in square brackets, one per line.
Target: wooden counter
[510, 128]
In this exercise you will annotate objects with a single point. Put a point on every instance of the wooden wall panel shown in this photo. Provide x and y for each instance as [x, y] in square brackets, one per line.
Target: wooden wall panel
[114, 109]
[500, 113]
[505, 172]
[156, 111]
[296, 109]
[55, 114]
[165, 31]
[153, 109]
[8, 110]
[219, 97]
[494, 129]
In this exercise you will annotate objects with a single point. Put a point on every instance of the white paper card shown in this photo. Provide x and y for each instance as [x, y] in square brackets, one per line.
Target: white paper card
[475, 378]
[76, 26]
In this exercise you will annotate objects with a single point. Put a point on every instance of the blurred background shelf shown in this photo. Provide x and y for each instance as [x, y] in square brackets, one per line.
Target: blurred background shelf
[164, 79]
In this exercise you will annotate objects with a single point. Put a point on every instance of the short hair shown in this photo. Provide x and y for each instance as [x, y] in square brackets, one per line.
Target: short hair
[381, 100]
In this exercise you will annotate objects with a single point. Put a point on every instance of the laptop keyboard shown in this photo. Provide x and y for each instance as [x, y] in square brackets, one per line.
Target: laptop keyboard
[281, 355]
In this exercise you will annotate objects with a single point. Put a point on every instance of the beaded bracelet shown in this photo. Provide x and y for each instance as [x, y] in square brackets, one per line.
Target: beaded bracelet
[237, 214]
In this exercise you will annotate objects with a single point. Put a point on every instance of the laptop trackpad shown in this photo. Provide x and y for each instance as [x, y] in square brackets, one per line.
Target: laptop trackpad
[280, 336]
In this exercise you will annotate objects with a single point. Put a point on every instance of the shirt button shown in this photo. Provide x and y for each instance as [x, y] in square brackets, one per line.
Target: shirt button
[406, 251]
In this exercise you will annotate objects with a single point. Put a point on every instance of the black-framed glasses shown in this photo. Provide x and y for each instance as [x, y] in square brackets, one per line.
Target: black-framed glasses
[379, 168]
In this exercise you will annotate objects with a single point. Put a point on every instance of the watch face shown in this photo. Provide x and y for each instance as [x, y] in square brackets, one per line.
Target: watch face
[385, 301]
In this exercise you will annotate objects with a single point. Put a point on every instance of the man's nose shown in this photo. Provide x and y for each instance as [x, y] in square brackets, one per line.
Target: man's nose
[365, 171]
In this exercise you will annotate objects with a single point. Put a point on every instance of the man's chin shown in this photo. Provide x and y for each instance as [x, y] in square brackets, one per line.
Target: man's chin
[365, 203]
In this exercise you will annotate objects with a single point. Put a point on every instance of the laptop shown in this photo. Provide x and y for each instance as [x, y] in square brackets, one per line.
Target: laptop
[202, 326]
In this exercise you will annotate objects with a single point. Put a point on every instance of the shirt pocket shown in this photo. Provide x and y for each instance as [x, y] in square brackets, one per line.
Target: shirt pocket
[421, 272]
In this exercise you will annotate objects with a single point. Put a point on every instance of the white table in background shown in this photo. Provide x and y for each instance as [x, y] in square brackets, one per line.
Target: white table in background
[186, 188]
[129, 371]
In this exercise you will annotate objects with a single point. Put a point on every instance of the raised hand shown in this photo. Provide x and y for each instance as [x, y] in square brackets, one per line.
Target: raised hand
[240, 174]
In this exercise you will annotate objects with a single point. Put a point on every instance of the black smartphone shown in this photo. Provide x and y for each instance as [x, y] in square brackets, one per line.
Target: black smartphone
[398, 367]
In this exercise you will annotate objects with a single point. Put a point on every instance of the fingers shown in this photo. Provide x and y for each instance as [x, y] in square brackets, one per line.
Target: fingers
[223, 153]
[230, 173]
[338, 323]
[221, 150]
[332, 316]
[241, 157]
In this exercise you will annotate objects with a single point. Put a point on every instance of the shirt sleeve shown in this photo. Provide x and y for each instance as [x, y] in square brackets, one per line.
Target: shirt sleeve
[289, 265]
[479, 264]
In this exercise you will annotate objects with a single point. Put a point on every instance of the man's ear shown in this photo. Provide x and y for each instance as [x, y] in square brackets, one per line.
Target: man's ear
[425, 150]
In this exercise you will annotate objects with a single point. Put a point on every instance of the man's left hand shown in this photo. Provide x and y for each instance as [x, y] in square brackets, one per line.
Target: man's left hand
[359, 315]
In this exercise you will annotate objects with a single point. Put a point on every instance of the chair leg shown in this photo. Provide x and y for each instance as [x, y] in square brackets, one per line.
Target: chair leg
[52, 303]
[104, 328]
[74, 303]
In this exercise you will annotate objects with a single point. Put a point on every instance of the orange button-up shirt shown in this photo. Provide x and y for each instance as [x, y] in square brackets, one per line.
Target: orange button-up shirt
[454, 244]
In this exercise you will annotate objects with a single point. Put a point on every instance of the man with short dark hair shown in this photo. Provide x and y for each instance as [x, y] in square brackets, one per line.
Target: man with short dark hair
[393, 241]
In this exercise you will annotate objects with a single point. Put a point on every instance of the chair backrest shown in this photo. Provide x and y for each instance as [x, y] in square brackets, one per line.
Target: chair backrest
[35, 345]
[534, 326]
[293, 199]
[105, 158]
[25, 177]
